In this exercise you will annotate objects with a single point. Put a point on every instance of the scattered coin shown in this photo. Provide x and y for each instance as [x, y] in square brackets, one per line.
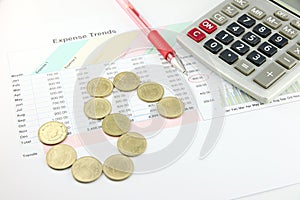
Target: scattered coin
[118, 167]
[116, 124]
[126, 81]
[97, 108]
[61, 156]
[52, 133]
[99, 87]
[86, 169]
[150, 92]
[170, 107]
[132, 144]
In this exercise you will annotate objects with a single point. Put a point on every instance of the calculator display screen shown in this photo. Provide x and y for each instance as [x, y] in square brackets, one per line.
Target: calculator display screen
[291, 5]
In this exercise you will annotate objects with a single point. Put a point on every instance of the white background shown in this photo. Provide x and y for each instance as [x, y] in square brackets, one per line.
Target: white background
[268, 139]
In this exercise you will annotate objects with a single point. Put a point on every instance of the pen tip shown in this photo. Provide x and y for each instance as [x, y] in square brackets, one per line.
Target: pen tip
[177, 63]
[185, 73]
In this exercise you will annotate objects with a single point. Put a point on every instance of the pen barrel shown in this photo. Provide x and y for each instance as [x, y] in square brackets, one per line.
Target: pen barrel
[160, 44]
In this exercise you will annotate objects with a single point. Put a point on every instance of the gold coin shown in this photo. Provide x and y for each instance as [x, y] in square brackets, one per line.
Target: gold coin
[99, 87]
[52, 133]
[61, 156]
[170, 107]
[118, 167]
[97, 108]
[116, 124]
[126, 81]
[132, 144]
[150, 92]
[86, 169]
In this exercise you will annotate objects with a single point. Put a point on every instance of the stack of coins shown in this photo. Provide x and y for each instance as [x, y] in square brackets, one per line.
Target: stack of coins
[115, 167]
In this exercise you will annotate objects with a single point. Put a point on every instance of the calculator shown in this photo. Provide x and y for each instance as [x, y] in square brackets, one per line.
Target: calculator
[253, 44]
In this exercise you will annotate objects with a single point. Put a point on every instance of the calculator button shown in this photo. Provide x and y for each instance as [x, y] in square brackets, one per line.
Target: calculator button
[257, 13]
[256, 58]
[235, 29]
[282, 15]
[262, 30]
[272, 22]
[246, 21]
[241, 4]
[213, 46]
[245, 67]
[296, 23]
[224, 37]
[208, 26]
[240, 47]
[230, 10]
[228, 56]
[295, 51]
[278, 40]
[219, 18]
[196, 35]
[269, 75]
[267, 49]
[286, 61]
[289, 32]
[251, 39]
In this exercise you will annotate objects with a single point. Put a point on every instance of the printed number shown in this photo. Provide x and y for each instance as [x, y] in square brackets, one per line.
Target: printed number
[236, 28]
[251, 38]
[225, 36]
[240, 47]
[213, 45]
[278, 39]
[268, 48]
[256, 57]
[262, 29]
[247, 20]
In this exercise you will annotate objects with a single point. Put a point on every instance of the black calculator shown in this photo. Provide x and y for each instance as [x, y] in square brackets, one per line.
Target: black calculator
[253, 44]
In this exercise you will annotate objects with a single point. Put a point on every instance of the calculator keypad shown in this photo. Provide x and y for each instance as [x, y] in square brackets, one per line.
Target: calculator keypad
[196, 35]
[286, 61]
[296, 24]
[246, 21]
[262, 30]
[282, 15]
[269, 75]
[230, 10]
[251, 39]
[245, 67]
[256, 58]
[289, 32]
[272, 22]
[241, 4]
[248, 38]
[267, 49]
[228, 56]
[219, 18]
[224, 37]
[240, 47]
[257, 13]
[235, 29]
[208, 26]
[295, 51]
[213, 46]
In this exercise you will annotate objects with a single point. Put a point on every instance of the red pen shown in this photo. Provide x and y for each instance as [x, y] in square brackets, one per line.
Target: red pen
[153, 36]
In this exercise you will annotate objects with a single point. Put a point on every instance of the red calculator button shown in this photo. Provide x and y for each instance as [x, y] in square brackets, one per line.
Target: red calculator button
[196, 34]
[208, 26]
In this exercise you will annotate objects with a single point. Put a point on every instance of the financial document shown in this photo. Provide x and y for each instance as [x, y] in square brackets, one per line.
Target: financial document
[256, 148]
[50, 94]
